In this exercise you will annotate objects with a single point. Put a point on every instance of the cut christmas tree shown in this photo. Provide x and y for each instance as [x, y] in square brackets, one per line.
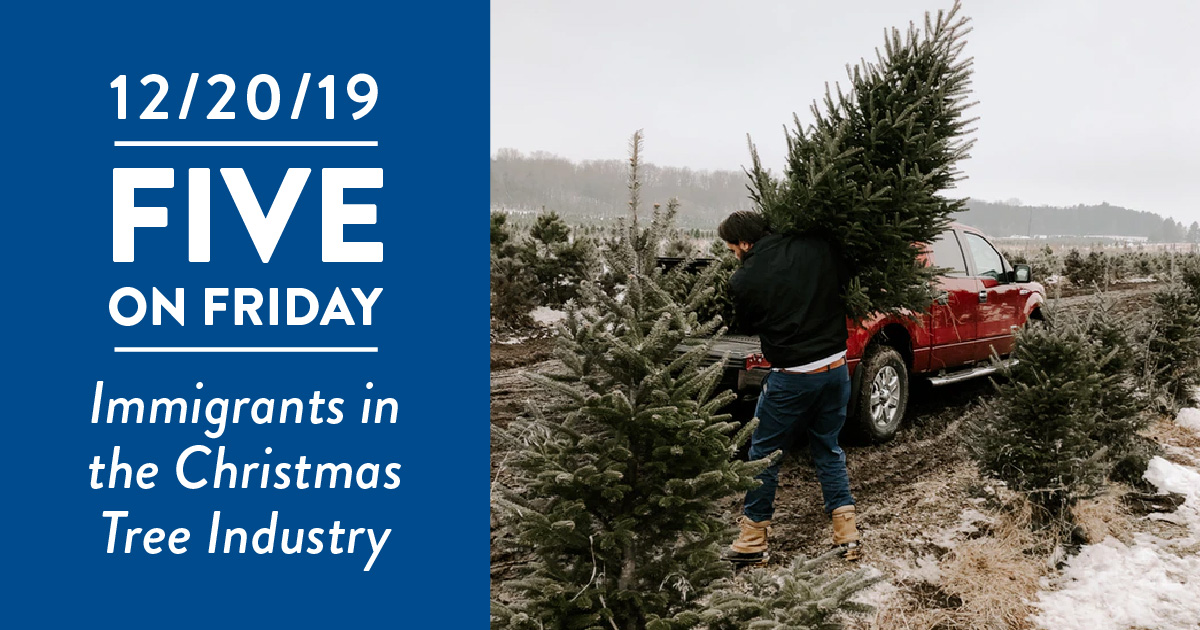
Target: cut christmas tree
[872, 170]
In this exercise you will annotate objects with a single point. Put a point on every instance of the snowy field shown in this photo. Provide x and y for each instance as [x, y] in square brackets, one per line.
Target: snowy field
[1152, 583]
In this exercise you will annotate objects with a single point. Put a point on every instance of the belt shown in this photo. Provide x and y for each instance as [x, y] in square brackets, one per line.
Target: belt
[825, 368]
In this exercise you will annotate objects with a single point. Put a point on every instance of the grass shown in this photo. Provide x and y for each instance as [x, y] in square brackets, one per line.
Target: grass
[1104, 516]
[984, 583]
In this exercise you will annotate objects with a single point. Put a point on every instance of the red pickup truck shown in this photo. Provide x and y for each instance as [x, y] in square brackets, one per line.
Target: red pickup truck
[981, 301]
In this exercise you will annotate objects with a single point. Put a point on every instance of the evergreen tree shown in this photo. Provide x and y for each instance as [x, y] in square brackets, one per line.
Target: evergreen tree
[512, 293]
[1073, 267]
[512, 284]
[1121, 417]
[1174, 231]
[1189, 275]
[679, 248]
[1172, 345]
[799, 598]
[1115, 268]
[720, 305]
[1041, 432]
[1084, 271]
[557, 261]
[870, 172]
[613, 494]
[501, 236]
[1145, 266]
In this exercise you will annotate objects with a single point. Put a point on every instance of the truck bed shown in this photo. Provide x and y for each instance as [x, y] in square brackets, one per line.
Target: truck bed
[733, 348]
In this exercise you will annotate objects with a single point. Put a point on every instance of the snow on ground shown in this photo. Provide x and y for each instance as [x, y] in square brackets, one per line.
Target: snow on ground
[968, 523]
[547, 316]
[879, 593]
[1190, 418]
[1111, 585]
[1153, 583]
[1171, 477]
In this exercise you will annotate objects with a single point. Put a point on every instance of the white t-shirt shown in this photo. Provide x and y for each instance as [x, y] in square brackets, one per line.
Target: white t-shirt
[808, 367]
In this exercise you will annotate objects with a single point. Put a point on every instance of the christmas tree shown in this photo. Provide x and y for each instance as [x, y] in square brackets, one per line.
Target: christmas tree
[870, 172]
[613, 494]
[502, 242]
[1172, 343]
[1122, 416]
[558, 261]
[1062, 417]
[800, 597]
[512, 283]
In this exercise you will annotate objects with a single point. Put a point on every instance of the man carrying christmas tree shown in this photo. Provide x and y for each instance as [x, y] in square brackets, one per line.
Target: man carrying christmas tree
[788, 291]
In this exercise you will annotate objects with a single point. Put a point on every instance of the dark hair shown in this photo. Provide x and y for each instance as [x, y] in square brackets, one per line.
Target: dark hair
[743, 226]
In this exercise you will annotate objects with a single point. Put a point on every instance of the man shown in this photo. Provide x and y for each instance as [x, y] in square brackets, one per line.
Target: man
[788, 290]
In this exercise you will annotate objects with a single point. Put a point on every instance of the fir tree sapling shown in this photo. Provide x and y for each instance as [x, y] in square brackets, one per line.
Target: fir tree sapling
[557, 261]
[1122, 412]
[1086, 271]
[613, 494]
[871, 170]
[1041, 433]
[798, 598]
[680, 248]
[501, 236]
[512, 283]
[721, 305]
[512, 294]
[1172, 346]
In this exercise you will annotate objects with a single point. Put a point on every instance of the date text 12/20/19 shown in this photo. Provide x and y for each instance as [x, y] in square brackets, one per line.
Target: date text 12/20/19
[254, 102]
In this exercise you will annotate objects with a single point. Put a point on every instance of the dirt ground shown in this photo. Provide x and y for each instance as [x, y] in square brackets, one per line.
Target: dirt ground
[918, 495]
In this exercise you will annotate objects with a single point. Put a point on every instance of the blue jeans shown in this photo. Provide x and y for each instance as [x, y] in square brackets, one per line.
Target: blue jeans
[815, 403]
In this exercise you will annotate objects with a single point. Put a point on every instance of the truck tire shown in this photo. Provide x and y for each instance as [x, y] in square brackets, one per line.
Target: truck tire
[1037, 319]
[882, 396]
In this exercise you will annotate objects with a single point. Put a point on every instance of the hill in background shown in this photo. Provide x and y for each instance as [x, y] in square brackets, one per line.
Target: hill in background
[1004, 219]
[594, 191]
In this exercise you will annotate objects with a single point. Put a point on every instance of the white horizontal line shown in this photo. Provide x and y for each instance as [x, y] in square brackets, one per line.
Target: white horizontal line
[244, 349]
[246, 143]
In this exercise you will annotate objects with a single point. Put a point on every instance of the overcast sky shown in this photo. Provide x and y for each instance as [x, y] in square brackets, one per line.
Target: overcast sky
[1079, 102]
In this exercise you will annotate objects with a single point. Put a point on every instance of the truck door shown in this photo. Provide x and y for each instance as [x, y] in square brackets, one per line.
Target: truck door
[953, 315]
[1015, 296]
[998, 310]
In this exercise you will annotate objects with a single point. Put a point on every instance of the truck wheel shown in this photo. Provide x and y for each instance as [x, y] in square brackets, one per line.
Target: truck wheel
[1038, 320]
[882, 396]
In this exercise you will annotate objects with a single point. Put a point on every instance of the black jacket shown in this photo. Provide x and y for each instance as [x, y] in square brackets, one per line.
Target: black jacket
[788, 290]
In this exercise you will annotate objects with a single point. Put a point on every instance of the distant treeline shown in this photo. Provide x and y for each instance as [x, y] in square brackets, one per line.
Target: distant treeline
[595, 191]
[1001, 219]
[598, 189]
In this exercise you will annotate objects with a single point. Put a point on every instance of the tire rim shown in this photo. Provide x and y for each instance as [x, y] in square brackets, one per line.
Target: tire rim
[885, 396]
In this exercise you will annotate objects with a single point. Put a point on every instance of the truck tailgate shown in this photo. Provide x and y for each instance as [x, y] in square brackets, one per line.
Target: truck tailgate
[733, 348]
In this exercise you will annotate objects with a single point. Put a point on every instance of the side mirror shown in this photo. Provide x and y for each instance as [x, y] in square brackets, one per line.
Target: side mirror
[1023, 273]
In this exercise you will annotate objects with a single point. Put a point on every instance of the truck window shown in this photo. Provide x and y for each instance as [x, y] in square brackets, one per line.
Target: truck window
[948, 253]
[987, 260]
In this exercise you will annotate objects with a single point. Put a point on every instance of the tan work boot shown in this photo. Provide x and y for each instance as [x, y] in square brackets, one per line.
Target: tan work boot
[751, 544]
[845, 534]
